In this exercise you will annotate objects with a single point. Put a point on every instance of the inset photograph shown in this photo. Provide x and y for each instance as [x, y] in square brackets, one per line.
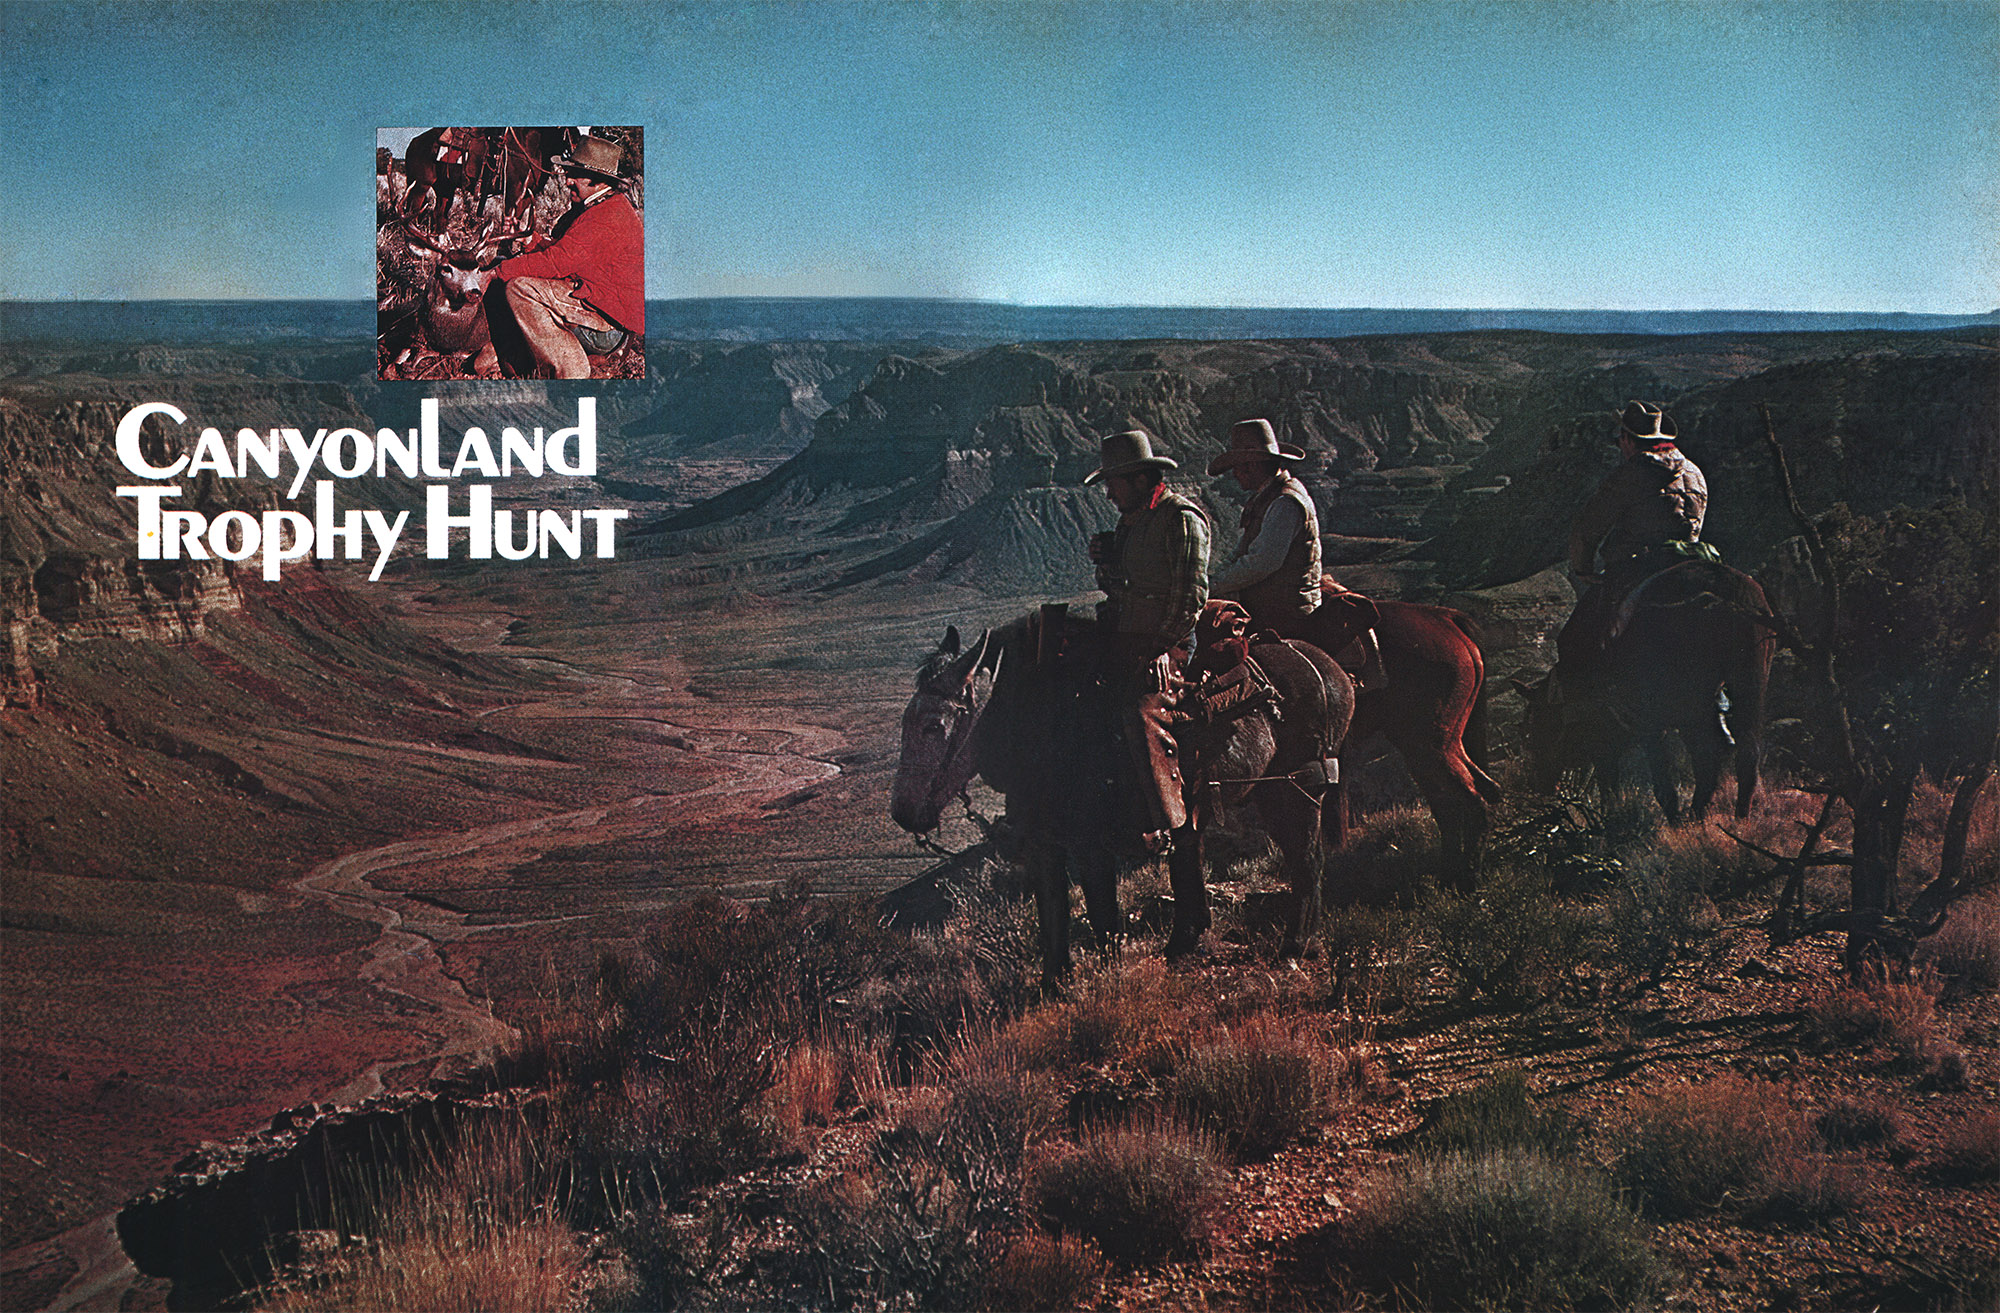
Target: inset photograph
[511, 252]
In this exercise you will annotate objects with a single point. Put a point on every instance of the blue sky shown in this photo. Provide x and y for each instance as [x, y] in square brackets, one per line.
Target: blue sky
[1574, 155]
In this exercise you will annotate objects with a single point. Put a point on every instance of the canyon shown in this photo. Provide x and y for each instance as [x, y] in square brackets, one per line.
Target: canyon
[272, 846]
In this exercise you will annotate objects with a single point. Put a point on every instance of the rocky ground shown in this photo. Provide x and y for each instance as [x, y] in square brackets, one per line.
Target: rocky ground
[1739, 1009]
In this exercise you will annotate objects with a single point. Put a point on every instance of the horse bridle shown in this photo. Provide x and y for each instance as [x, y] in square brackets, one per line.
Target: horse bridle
[959, 714]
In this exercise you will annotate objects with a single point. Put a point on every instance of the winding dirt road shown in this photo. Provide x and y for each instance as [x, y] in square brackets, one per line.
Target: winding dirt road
[754, 758]
[765, 764]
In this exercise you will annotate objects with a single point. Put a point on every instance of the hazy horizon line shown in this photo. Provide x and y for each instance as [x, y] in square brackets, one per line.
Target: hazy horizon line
[1071, 305]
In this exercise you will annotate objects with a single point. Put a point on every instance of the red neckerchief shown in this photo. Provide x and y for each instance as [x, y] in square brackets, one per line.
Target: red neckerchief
[1159, 491]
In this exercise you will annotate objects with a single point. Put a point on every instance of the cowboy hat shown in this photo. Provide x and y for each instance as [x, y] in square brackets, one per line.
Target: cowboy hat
[1254, 439]
[1646, 422]
[599, 156]
[1127, 453]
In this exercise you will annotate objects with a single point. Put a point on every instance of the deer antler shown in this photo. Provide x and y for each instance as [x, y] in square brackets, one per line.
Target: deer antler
[417, 238]
[489, 245]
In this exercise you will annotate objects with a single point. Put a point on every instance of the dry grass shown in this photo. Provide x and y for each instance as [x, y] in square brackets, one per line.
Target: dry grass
[480, 1225]
[805, 1092]
[897, 1232]
[1658, 913]
[1511, 1229]
[1140, 1193]
[997, 1104]
[1497, 1114]
[1704, 853]
[1134, 1015]
[454, 1262]
[1374, 962]
[1037, 1271]
[1258, 1087]
[1970, 1150]
[1966, 952]
[1689, 1148]
[1701, 855]
[1923, 832]
[1509, 939]
[1897, 1015]
[1799, 1190]
[1386, 858]
[1850, 1123]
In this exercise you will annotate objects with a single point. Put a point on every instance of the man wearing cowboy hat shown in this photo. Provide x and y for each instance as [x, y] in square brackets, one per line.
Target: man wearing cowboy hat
[585, 292]
[1276, 573]
[1656, 499]
[1154, 572]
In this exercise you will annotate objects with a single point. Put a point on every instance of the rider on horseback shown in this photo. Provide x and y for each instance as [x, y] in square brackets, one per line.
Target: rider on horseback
[1645, 517]
[1154, 571]
[1276, 572]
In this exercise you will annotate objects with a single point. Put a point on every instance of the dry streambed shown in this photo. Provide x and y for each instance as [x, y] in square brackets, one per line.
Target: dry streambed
[450, 920]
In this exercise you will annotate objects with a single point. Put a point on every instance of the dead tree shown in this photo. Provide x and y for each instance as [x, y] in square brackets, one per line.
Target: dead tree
[1875, 781]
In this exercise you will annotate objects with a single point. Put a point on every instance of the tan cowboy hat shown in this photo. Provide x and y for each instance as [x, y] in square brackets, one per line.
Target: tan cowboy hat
[1646, 422]
[594, 155]
[1127, 453]
[1254, 439]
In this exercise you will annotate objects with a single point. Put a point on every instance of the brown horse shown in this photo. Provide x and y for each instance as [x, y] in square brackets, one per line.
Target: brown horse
[1041, 739]
[1432, 710]
[1691, 631]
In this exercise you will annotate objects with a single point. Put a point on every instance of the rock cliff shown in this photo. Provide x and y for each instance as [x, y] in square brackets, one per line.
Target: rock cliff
[1468, 452]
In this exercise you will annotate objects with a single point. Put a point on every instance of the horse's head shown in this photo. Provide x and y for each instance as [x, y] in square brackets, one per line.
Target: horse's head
[937, 760]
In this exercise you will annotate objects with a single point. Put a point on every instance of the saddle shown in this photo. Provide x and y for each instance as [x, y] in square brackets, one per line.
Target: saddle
[1648, 568]
[1223, 681]
[1344, 628]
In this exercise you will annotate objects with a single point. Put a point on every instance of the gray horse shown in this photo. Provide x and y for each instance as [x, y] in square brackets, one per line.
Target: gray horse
[1041, 737]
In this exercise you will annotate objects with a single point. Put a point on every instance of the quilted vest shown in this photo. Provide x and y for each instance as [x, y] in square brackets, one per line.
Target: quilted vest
[1293, 588]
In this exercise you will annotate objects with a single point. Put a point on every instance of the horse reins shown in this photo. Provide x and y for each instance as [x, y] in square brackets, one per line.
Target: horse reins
[966, 711]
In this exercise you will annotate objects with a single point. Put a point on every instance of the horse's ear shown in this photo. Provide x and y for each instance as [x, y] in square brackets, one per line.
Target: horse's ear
[979, 652]
[950, 645]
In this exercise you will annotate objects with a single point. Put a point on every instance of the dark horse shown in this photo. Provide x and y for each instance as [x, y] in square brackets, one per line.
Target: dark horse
[1432, 710]
[1685, 634]
[1040, 738]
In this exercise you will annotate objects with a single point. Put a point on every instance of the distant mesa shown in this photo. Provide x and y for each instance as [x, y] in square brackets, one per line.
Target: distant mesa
[919, 322]
[1465, 453]
[890, 452]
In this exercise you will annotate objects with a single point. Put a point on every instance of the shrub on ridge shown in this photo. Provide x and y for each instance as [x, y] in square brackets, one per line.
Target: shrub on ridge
[1509, 1229]
[1692, 1147]
[1140, 1193]
[1257, 1088]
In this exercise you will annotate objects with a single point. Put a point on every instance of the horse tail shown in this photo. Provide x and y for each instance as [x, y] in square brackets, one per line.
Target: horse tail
[1474, 739]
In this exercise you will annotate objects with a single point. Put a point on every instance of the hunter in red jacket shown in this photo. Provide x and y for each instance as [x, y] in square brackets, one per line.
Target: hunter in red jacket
[585, 292]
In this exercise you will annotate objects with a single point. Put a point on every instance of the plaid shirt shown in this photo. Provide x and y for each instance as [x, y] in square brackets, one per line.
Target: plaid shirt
[1156, 575]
